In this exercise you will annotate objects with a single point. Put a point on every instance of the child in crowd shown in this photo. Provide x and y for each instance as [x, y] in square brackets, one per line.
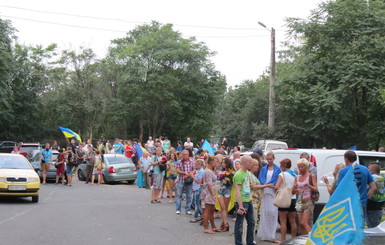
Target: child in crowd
[197, 191]
[171, 175]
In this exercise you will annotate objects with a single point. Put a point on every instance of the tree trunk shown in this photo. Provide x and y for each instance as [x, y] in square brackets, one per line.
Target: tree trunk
[141, 129]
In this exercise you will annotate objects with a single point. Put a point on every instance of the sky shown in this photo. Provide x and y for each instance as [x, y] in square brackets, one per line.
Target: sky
[229, 28]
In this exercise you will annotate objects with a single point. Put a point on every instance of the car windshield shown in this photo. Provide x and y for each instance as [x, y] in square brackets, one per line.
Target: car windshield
[117, 159]
[260, 144]
[14, 162]
[28, 148]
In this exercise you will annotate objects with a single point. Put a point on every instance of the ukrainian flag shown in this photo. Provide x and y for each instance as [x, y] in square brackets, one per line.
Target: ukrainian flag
[341, 221]
[68, 133]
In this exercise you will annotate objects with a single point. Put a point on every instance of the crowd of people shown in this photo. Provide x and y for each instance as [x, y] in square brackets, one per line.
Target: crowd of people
[226, 184]
[245, 187]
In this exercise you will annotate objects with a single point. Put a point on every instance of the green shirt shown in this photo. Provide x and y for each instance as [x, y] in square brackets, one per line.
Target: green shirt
[242, 178]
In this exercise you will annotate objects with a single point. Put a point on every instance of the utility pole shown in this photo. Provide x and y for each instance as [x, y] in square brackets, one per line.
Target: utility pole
[271, 120]
[271, 117]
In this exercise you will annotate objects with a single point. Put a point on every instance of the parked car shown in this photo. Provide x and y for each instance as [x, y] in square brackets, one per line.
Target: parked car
[372, 236]
[325, 161]
[27, 148]
[7, 146]
[118, 168]
[36, 163]
[17, 177]
[266, 146]
[33, 154]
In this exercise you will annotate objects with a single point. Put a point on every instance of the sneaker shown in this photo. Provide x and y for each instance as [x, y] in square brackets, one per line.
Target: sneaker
[189, 213]
[178, 212]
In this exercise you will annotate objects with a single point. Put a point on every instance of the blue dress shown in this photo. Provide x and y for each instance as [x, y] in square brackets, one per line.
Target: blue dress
[139, 180]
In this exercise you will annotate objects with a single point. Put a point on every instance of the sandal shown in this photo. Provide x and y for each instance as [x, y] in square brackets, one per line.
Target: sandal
[193, 221]
[158, 201]
[152, 201]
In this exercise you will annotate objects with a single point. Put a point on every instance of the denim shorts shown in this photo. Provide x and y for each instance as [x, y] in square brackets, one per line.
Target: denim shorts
[69, 169]
[226, 192]
[172, 177]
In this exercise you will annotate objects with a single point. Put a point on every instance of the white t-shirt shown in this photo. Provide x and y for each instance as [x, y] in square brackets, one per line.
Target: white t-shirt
[188, 144]
[289, 180]
[150, 143]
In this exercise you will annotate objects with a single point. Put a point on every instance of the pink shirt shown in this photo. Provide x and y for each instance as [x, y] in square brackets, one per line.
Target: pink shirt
[303, 188]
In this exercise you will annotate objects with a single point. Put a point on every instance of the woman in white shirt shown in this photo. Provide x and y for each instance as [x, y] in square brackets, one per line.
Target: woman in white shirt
[289, 212]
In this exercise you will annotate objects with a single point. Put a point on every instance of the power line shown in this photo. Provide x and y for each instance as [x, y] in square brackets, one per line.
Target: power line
[127, 21]
[62, 24]
[110, 30]
[73, 15]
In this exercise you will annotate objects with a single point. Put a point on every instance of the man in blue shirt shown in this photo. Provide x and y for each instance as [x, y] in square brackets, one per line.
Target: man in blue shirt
[46, 155]
[119, 148]
[362, 177]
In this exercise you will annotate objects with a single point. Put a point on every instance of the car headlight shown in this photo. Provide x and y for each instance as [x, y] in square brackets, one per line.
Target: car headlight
[33, 179]
[2, 179]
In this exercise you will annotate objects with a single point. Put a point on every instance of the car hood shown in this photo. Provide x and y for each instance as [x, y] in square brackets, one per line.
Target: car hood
[18, 173]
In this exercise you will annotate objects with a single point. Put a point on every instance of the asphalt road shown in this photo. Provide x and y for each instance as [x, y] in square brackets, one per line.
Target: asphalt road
[105, 214]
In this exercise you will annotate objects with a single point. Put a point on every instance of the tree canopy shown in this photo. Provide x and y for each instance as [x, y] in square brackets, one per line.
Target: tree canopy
[153, 81]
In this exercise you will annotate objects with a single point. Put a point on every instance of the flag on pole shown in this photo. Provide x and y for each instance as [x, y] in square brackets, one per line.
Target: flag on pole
[68, 133]
[206, 146]
[341, 221]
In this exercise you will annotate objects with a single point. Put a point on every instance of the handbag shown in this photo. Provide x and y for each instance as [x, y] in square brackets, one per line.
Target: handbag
[188, 180]
[283, 195]
[314, 194]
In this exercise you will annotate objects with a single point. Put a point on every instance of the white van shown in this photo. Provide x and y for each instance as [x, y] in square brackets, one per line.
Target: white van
[269, 145]
[266, 146]
[325, 161]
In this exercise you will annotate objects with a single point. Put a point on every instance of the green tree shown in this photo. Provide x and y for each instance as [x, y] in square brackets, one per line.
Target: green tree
[165, 84]
[75, 99]
[331, 95]
[7, 39]
[243, 113]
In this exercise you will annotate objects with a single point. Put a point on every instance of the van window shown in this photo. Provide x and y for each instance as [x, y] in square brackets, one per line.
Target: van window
[271, 146]
[365, 160]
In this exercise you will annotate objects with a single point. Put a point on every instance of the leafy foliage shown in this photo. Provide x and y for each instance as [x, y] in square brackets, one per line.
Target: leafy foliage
[337, 75]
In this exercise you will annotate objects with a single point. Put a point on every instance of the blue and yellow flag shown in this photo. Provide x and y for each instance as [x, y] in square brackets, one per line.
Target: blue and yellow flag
[68, 133]
[206, 146]
[341, 221]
